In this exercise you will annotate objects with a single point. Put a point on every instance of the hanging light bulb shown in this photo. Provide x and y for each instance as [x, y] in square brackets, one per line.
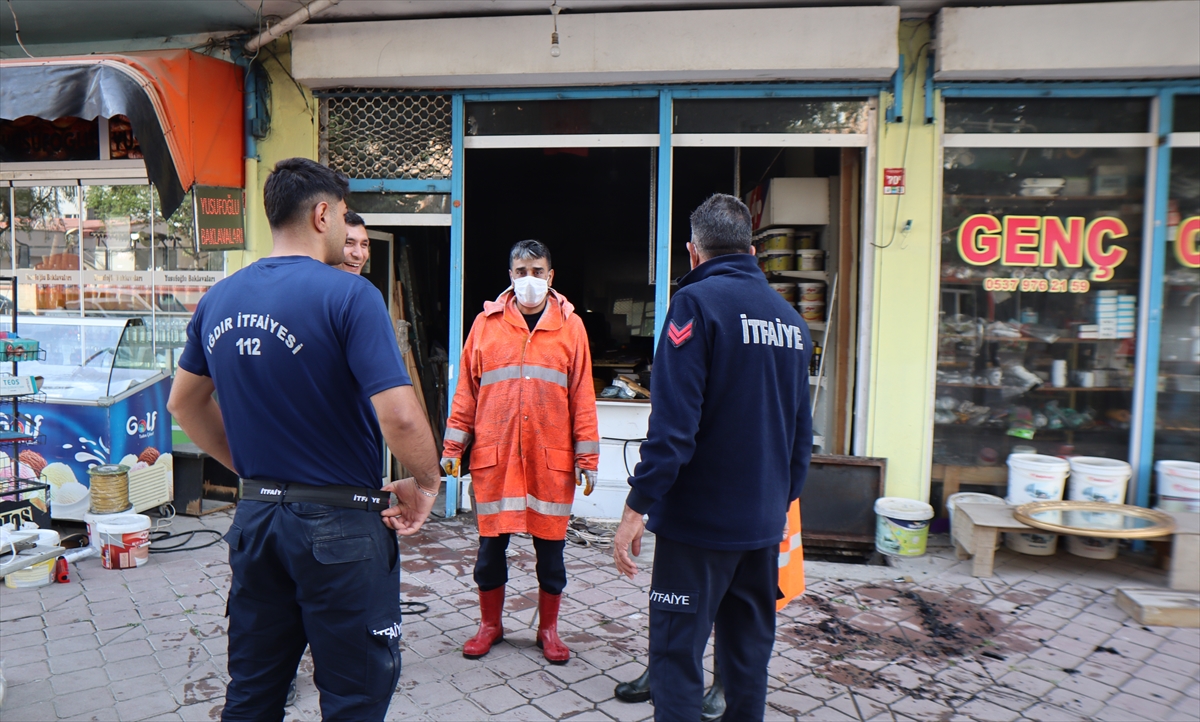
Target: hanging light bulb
[555, 50]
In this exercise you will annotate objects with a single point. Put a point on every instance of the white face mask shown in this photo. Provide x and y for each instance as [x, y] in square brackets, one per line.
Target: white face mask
[530, 290]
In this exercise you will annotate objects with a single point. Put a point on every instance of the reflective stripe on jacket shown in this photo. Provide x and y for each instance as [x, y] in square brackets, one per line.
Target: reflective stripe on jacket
[526, 401]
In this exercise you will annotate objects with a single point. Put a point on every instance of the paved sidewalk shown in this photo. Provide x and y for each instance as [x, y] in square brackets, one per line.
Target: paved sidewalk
[1042, 640]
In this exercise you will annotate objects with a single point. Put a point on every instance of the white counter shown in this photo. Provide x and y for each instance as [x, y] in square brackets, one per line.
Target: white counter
[617, 421]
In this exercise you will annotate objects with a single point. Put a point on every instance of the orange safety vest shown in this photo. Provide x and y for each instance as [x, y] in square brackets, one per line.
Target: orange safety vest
[527, 402]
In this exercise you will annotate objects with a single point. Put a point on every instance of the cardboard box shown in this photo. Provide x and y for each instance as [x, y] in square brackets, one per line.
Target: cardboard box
[789, 202]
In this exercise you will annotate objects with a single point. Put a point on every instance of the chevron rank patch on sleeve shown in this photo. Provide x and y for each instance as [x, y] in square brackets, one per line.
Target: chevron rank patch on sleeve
[679, 335]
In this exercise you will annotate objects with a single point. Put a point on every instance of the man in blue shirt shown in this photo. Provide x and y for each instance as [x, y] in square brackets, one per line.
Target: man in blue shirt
[310, 383]
[727, 451]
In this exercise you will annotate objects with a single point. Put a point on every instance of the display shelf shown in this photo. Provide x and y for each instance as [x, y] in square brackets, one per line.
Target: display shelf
[1042, 388]
[816, 380]
[1026, 339]
[803, 275]
[991, 430]
[14, 437]
[816, 325]
[39, 355]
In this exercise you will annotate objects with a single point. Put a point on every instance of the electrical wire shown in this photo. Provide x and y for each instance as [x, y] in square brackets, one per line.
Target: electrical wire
[908, 126]
[282, 67]
[184, 537]
[625, 445]
[17, 29]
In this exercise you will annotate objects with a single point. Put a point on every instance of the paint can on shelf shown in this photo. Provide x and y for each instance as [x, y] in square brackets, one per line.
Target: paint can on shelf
[812, 259]
[771, 261]
[779, 239]
[812, 311]
[811, 292]
[806, 240]
[787, 290]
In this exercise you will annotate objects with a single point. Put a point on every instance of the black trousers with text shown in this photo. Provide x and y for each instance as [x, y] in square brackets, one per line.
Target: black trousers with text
[691, 591]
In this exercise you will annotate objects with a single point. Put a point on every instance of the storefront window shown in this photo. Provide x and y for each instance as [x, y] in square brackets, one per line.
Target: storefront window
[399, 202]
[1177, 434]
[182, 275]
[563, 117]
[46, 238]
[773, 115]
[1041, 254]
[1047, 115]
[116, 250]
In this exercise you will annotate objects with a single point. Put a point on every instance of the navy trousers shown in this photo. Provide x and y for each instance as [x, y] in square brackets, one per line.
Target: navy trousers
[318, 575]
[691, 591]
[491, 565]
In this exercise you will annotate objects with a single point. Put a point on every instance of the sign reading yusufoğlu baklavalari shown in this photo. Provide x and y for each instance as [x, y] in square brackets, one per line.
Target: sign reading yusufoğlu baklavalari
[220, 218]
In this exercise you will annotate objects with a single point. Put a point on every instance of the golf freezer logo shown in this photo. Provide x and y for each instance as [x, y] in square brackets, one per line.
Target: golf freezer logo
[142, 428]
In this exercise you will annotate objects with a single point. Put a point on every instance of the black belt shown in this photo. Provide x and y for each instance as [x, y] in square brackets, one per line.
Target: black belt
[350, 497]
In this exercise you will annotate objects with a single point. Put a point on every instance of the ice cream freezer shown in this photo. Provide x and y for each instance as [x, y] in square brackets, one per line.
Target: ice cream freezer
[105, 403]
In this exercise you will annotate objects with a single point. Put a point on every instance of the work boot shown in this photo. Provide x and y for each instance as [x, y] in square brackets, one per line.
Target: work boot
[714, 702]
[552, 648]
[636, 691]
[491, 606]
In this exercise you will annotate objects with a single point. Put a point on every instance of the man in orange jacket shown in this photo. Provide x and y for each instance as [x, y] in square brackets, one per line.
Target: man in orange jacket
[526, 400]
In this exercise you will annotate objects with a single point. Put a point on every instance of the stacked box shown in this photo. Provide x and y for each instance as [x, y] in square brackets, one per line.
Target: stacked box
[1126, 316]
[1106, 314]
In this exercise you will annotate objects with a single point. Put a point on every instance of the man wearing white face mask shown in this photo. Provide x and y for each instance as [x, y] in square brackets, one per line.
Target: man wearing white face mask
[525, 400]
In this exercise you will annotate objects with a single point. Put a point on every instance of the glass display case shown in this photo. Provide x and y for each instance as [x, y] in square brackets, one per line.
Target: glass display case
[105, 403]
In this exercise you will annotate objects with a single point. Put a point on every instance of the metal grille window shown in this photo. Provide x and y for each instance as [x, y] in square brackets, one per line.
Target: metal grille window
[387, 136]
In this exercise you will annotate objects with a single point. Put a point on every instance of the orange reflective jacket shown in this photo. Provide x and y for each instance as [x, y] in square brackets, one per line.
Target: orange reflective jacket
[526, 400]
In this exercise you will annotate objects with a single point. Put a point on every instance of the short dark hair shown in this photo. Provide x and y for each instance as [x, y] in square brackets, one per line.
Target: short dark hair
[353, 219]
[721, 225]
[529, 250]
[296, 185]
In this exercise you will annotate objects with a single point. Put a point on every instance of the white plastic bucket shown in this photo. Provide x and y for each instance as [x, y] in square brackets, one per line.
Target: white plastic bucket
[124, 540]
[782, 239]
[39, 574]
[1093, 547]
[969, 497]
[1178, 485]
[1038, 545]
[777, 261]
[812, 311]
[811, 292]
[901, 526]
[1094, 478]
[787, 290]
[810, 259]
[1035, 477]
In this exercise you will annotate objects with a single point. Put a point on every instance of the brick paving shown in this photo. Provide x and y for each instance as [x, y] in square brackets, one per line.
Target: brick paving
[923, 640]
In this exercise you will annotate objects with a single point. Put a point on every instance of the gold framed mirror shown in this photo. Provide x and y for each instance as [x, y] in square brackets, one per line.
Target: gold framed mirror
[1095, 519]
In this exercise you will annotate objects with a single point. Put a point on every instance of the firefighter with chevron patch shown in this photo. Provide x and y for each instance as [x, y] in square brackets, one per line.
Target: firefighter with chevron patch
[526, 406]
[727, 452]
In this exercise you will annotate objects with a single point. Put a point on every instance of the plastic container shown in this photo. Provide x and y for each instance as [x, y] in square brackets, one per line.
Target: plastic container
[1036, 477]
[1178, 485]
[969, 497]
[777, 261]
[806, 240]
[811, 291]
[1094, 478]
[1038, 545]
[901, 526]
[124, 540]
[782, 239]
[1093, 547]
[810, 259]
[39, 574]
[787, 290]
[812, 310]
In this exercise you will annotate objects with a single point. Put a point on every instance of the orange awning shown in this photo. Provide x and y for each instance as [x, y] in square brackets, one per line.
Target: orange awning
[186, 109]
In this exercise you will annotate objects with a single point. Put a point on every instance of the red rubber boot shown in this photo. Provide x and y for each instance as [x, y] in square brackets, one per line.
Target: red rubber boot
[552, 647]
[491, 605]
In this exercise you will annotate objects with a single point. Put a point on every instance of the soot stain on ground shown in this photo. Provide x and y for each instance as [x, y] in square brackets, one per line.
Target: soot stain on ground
[934, 630]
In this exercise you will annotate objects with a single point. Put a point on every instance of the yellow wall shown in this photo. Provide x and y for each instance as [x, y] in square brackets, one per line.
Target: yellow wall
[903, 344]
[293, 133]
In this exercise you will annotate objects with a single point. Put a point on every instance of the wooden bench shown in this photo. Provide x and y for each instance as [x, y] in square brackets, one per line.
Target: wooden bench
[977, 528]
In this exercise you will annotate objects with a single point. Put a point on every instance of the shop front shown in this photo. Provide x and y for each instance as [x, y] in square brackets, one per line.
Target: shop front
[607, 177]
[1067, 316]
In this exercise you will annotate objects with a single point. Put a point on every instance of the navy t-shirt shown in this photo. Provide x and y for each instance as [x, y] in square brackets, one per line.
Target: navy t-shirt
[296, 349]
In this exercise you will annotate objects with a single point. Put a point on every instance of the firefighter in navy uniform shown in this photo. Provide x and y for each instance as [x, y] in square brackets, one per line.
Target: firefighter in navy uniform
[311, 383]
[728, 449]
